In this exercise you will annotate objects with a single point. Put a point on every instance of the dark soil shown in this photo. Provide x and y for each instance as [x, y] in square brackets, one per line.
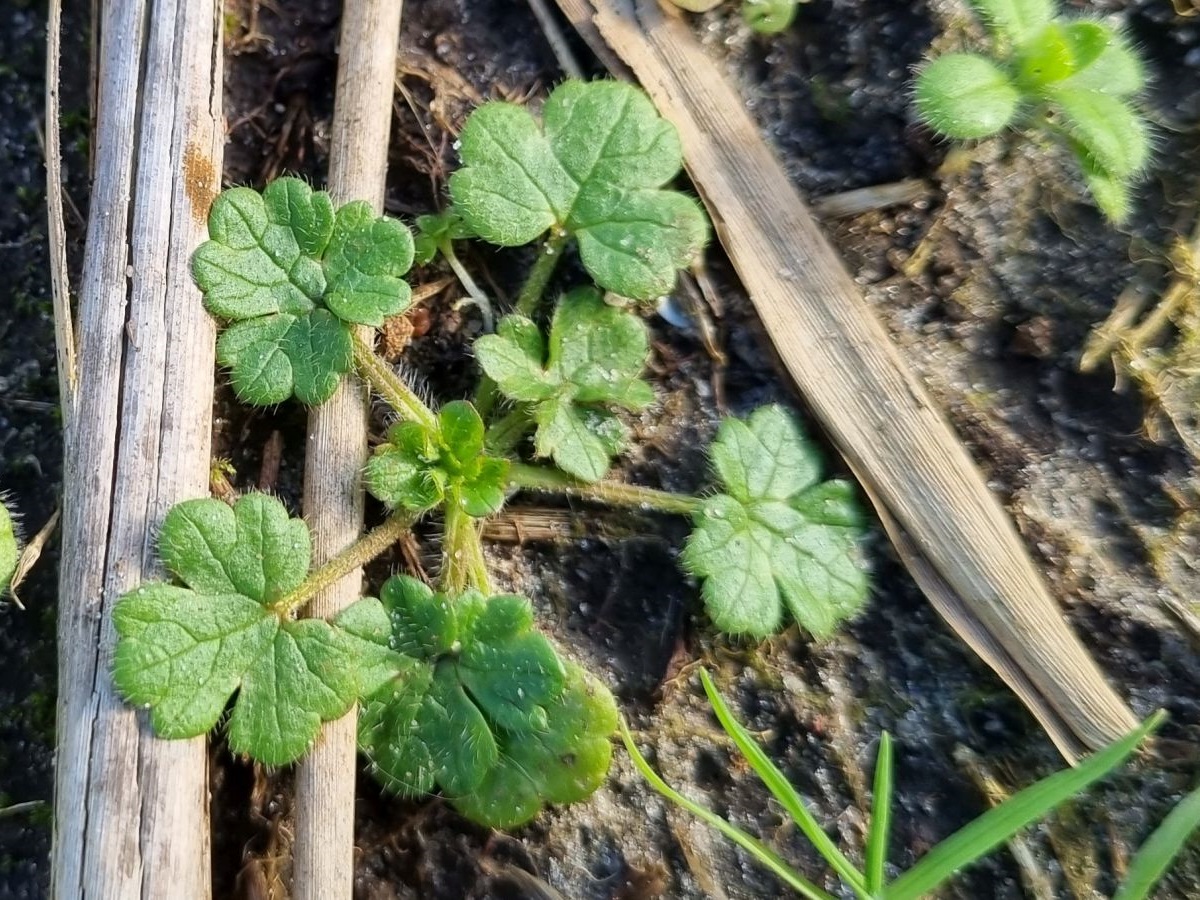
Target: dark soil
[30, 442]
[990, 284]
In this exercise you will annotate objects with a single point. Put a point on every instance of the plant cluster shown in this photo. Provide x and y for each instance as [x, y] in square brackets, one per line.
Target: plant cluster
[963, 848]
[1073, 77]
[458, 690]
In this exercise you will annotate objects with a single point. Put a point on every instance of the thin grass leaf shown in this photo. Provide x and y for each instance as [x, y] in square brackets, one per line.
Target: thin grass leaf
[881, 816]
[1155, 856]
[997, 825]
[783, 791]
[751, 845]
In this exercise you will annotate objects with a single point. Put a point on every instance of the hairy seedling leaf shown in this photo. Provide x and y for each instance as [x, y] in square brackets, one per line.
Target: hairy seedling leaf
[1017, 21]
[776, 537]
[419, 467]
[262, 255]
[595, 358]
[1082, 71]
[184, 651]
[9, 548]
[1106, 130]
[366, 258]
[475, 689]
[289, 276]
[595, 170]
[434, 230]
[966, 96]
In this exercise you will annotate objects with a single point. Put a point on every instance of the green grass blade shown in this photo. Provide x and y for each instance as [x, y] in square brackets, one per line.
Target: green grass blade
[997, 825]
[754, 847]
[881, 816]
[783, 791]
[1156, 855]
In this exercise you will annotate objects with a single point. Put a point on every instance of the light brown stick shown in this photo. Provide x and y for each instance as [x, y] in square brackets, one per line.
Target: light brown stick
[337, 447]
[131, 811]
[879, 415]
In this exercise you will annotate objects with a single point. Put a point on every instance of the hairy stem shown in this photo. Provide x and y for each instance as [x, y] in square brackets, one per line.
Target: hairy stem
[611, 493]
[506, 432]
[530, 297]
[463, 565]
[390, 386]
[361, 552]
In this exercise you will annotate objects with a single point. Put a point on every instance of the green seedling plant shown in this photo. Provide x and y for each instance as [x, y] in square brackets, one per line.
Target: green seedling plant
[966, 846]
[10, 549]
[457, 689]
[1075, 78]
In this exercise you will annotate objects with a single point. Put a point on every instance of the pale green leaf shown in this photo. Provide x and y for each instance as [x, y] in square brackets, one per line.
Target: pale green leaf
[1016, 20]
[1106, 130]
[581, 440]
[769, 16]
[776, 538]
[965, 96]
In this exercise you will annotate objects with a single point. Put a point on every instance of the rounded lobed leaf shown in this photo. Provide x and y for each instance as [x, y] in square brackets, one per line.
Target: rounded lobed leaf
[366, 258]
[254, 262]
[965, 96]
[596, 171]
[563, 764]
[254, 548]
[272, 358]
[482, 707]
[776, 538]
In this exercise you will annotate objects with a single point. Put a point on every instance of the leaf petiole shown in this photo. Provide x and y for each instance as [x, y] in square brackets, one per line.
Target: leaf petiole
[361, 552]
[475, 294]
[612, 493]
[398, 395]
[534, 287]
[506, 432]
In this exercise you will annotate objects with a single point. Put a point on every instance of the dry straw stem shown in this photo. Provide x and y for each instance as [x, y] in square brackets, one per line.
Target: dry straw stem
[953, 534]
[337, 447]
[131, 811]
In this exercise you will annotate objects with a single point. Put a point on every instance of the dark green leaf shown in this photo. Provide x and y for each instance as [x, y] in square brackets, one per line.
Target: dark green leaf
[596, 171]
[366, 258]
[183, 652]
[255, 262]
[482, 706]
